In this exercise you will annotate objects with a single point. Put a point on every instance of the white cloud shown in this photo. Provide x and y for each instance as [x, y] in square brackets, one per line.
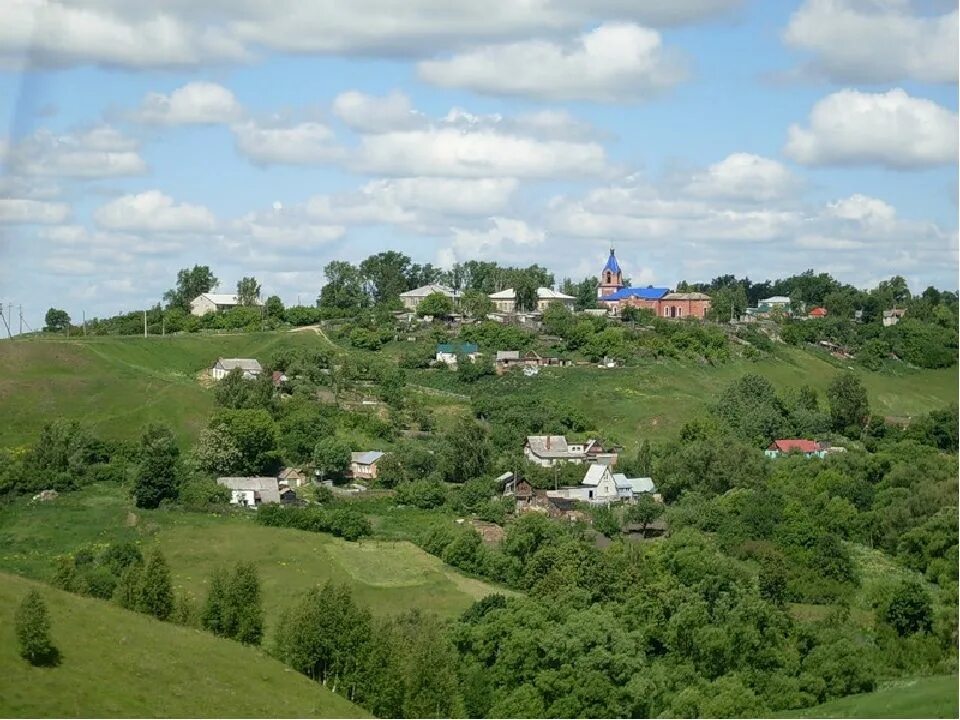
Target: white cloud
[743, 176]
[26, 211]
[867, 211]
[152, 211]
[614, 62]
[196, 103]
[484, 153]
[891, 129]
[305, 143]
[183, 33]
[371, 114]
[99, 152]
[877, 41]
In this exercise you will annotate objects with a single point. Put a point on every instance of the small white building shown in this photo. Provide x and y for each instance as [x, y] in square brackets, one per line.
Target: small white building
[412, 298]
[251, 368]
[601, 486]
[215, 302]
[505, 301]
[251, 491]
[447, 353]
[547, 450]
[892, 317]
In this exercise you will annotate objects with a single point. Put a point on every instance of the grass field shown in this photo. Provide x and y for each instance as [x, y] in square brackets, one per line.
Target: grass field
[118, 384]
[931, 697]
[655, 400]
[117, 663]
[385, 576]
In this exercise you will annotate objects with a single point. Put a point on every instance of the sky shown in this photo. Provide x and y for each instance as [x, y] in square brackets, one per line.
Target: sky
[697, 137]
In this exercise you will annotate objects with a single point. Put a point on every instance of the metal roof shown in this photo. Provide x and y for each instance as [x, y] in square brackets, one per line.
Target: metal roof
[267, 487]
[249, 364]
[424, 290]
[612, 264]
[368, 457]
[464, 348]
[644, 293]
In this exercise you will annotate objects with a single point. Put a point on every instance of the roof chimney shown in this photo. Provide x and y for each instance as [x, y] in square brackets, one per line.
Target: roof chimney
[548, 442]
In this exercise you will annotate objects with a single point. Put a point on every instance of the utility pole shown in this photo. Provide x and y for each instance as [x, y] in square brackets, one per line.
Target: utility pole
[163, 325]
[21, 321]
[4, 318]
[84, 323]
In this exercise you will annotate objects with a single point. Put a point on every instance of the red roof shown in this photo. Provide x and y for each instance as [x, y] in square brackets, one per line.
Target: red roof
[804, 446]
[818, 312]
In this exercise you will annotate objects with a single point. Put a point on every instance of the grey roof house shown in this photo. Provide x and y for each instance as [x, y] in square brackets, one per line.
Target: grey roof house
[251, 491]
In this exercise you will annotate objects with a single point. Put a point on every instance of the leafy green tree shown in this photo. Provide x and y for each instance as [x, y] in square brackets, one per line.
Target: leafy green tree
[476, 304]
[344, 289]
[750, 407]
[248, 291]
[56, 320]
[331, 456]
[127, 592]
[557, 319]
[849, 407]
[606, 522]
[216, 453]
[274, 307]
[156, 590]
[436, 304]
[32, 626]
[909, 609]
[191, 282]
[644, 465]
[466, 451]
[644, 511]
[158, 475]
[385, 276]
[254, 434]
[469, 371]
[425, 494]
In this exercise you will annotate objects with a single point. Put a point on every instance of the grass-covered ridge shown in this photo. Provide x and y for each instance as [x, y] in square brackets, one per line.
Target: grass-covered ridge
[117, 663]
[930, 697]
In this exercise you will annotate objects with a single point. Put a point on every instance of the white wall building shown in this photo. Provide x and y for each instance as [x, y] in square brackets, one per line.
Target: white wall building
[505, 301]
[215, 302]
[412, 298]
[251, 368]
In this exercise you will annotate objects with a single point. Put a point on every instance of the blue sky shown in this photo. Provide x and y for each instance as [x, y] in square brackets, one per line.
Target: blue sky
[266, 139]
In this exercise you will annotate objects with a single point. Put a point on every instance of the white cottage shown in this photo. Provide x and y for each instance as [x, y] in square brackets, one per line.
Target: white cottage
[251, 368]
[215, 302]
[412, 298]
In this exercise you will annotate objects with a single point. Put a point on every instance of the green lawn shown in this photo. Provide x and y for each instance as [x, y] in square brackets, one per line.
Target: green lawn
[117, 663]
[385, 576]
[116, 385]
[931, 697]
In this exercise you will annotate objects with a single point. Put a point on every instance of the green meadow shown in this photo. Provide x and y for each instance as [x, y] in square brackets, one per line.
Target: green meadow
[117, 663]
[930, 697]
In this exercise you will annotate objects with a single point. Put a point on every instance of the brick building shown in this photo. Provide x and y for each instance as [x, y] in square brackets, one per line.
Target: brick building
[612, 294]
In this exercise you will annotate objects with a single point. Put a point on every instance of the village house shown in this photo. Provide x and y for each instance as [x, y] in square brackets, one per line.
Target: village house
[505, 301]
[507, 359]
[412, 298]
[447, 352]
[600, 486]
[215, 302]
[292, 477]
[251, 492]
[892, 317]
[547, 450]
[363, 465]
[817, 312]
[809, 448]
[251, 368]
[770, 304]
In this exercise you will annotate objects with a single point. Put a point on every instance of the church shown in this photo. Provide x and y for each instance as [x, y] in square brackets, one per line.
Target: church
[613, 294]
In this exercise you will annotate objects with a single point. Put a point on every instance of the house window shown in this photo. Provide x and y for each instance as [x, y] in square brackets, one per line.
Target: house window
[679, 312]
[590, 494]
[666, 312]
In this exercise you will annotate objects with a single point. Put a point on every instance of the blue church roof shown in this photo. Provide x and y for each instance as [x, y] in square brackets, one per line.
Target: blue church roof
[644, 293]
[612, 264]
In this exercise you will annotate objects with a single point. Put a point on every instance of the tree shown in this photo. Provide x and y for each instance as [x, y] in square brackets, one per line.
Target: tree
[156, 590]
[32, 626]
[525, 289]
[466, 451]
[246, 605]
[158, 475]
[605, 522]
[849, 408]
[56, 320]
[331, 456]
[274, 307]
[248, 291]
[215, 616]
[254, 434]
[436, 304]
[190, 284]
[476, 303]
[344, 288]
[644, 467]
[644, 511]
[909, 609]
[385, 276]
[557, 319]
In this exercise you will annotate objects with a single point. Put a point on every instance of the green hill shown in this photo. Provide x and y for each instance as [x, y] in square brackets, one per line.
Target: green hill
[117, 663]
[387, 577]
[931, 697]
[118, 384]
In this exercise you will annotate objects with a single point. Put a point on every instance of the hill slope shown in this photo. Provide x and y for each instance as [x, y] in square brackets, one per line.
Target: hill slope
[119, 663]
[931, 697]
[118, 384]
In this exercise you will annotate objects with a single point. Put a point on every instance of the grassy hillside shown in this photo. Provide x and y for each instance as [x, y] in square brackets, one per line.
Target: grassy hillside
[655, 400]
[387, 577]
[118, 384]
[932, 697]
[117, 663]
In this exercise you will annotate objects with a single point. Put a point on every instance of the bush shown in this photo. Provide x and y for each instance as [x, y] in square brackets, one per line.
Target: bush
[424, 494]
[342, 522]
[201, 494]
[32, 625]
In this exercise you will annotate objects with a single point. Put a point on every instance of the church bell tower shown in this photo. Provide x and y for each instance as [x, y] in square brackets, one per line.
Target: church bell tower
[611, 277]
